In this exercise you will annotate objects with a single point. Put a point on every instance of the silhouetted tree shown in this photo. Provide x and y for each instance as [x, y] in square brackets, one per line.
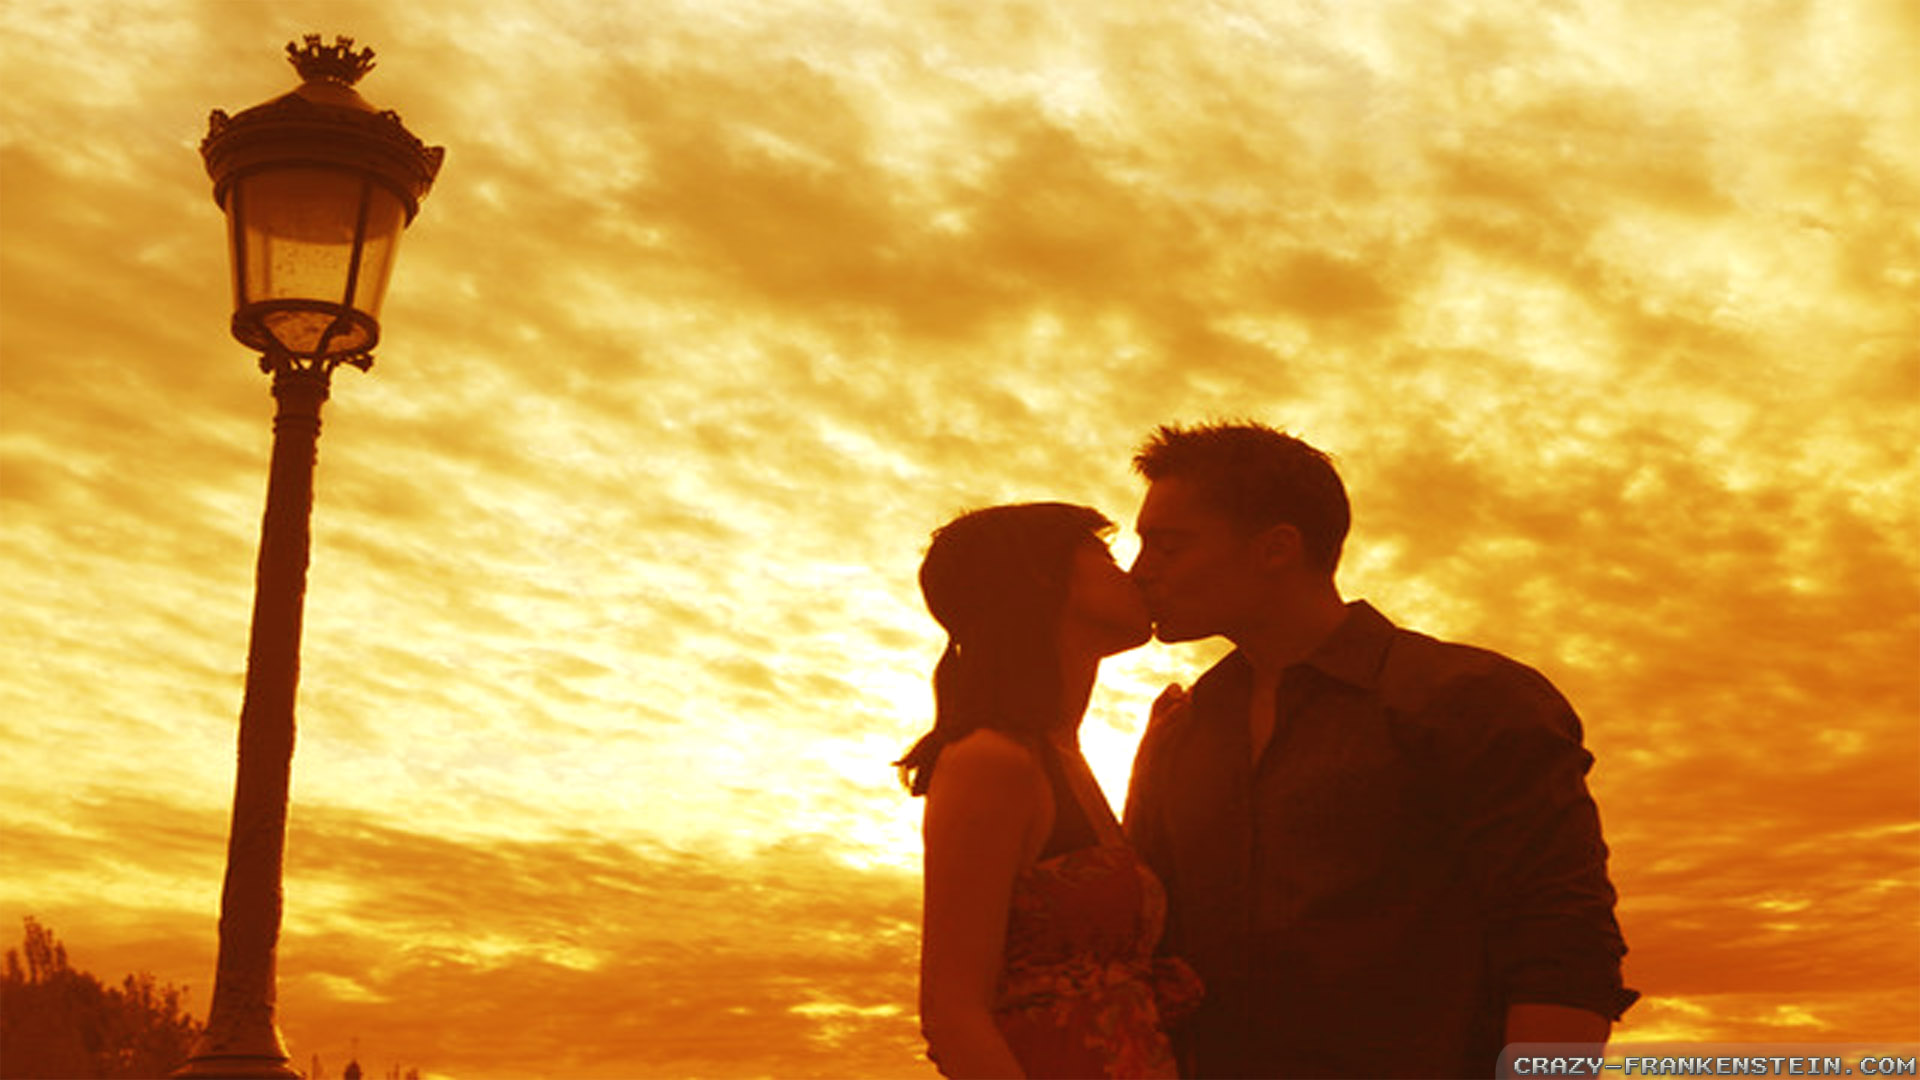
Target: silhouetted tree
[57, 1022]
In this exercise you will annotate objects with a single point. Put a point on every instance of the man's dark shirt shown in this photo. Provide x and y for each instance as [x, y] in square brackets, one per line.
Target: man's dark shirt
[1415, 850]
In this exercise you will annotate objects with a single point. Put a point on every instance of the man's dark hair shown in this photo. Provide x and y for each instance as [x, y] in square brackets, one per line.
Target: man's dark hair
[1257, 478]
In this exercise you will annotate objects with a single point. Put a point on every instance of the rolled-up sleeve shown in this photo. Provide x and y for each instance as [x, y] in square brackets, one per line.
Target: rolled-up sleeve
[1531, 842]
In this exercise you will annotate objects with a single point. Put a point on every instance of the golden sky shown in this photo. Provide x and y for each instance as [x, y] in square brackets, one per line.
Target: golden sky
[1609, 311]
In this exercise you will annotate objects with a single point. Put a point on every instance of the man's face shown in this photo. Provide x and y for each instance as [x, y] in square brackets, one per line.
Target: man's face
[1199, 575]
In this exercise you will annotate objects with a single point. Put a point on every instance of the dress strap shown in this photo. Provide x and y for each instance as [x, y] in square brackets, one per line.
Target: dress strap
[1072, 828]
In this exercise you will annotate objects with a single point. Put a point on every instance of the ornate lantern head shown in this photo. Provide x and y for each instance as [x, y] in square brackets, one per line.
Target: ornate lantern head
[317, 187]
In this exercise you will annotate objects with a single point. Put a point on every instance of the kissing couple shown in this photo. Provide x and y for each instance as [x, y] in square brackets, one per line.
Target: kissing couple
[1348, 850]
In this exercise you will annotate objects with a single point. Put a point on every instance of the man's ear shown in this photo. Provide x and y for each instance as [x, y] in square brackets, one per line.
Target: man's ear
[1280, 547]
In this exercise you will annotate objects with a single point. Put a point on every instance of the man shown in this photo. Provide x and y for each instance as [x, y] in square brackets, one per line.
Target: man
[1378, 848]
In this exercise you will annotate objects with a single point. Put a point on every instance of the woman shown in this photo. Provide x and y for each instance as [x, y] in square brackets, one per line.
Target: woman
[1040, 924]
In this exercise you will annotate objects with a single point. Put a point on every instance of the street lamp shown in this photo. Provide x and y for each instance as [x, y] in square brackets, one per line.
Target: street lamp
[317, 186]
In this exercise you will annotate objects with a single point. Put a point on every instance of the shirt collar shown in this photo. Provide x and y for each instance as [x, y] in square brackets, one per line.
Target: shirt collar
[1353, 653]
[1357, 649]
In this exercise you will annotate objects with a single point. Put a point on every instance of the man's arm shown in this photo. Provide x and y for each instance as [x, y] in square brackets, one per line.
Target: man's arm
[1532, 842]
[1530, 1022]
[1571, 1030]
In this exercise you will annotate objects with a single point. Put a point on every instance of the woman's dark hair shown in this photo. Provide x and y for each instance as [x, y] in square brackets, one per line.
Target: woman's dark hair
[996, 579]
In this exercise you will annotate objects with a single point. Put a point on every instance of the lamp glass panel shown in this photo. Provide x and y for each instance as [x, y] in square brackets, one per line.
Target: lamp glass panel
[300, 224]
[386, 217]
[297, 250]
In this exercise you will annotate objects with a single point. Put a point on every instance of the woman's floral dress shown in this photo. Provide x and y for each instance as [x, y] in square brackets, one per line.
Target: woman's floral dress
[1081, 992]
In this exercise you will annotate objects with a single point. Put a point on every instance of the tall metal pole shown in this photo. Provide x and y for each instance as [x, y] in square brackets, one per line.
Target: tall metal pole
[241, 1038]
[264, 163]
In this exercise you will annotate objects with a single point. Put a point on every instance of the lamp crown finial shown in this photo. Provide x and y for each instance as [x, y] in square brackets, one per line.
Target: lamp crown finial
[337, 62]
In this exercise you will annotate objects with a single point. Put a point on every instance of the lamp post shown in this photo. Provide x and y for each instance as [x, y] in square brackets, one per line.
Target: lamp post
[317, 186]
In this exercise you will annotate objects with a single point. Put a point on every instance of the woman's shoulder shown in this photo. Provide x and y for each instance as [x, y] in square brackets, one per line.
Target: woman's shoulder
[988, 758]
[992, 749]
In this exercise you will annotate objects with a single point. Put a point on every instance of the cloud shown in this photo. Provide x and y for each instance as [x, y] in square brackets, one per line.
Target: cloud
[510, 957]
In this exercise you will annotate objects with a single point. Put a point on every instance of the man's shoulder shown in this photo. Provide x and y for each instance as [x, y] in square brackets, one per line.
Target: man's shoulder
[1438, 681]
[1421, 663]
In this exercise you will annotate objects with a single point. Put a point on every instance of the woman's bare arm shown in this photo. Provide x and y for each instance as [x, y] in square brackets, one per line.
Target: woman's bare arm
[984, 809]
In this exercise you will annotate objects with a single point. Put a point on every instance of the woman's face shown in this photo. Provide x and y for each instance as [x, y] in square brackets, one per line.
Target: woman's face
[1105, 613]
